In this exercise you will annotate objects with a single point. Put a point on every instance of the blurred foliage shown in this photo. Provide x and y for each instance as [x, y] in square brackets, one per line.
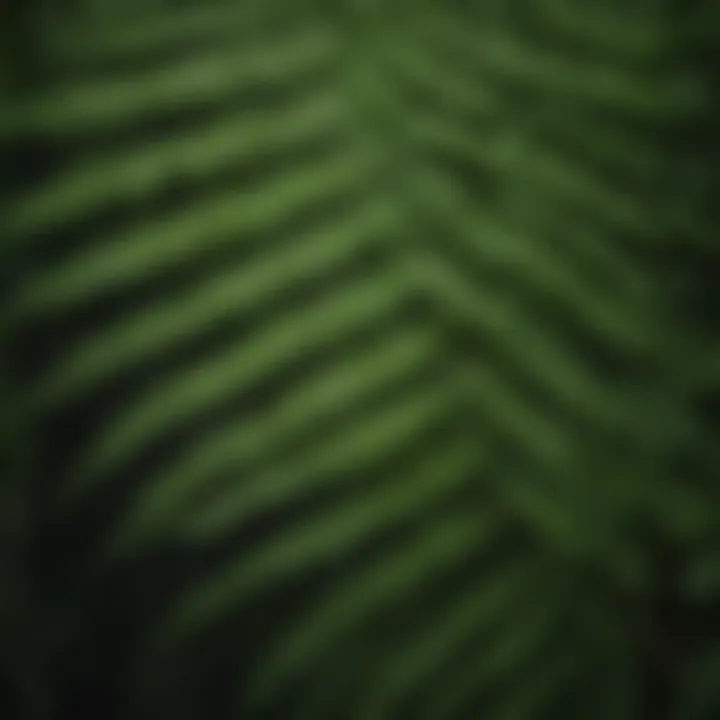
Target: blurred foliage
[360, 360]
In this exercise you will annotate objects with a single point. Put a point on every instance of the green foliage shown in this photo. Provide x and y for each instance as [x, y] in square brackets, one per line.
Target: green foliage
[360, 360]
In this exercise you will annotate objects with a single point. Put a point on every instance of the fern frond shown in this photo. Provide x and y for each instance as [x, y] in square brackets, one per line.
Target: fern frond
[364, 315]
